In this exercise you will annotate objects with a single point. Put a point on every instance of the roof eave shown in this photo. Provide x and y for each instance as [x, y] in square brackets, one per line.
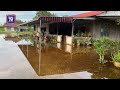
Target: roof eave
[26, 23]
[87, 18]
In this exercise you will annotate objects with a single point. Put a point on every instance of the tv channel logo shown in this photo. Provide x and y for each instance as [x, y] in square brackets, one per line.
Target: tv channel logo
[11, 18]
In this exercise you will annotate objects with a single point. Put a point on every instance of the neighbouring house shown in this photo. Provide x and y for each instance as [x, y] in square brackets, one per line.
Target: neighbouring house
[90, 24]
[98, 23]
[14, 27]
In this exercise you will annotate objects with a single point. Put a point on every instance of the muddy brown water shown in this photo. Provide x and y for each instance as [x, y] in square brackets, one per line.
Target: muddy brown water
[56, 58]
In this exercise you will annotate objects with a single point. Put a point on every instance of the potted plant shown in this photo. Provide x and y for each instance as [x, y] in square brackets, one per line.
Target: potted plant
[116, 59]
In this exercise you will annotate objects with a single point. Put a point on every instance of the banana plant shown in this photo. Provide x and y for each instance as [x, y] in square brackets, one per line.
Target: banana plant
[101, 47]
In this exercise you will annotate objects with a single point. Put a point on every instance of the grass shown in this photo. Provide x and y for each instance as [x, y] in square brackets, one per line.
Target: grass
[14, 32]
[23, 33]
[1, 29]
[29, 32]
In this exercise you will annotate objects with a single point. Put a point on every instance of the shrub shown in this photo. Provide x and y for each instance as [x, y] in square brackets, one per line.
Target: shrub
[101, 46]
[116, 56]
[1, 29]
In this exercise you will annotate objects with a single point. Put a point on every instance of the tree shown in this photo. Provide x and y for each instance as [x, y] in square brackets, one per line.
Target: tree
[44, 13]
[19, 21]
[65, 15]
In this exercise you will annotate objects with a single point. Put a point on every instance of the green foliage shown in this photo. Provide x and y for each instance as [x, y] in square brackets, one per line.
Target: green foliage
[118, 21]
[115, 51]
[19, 21]
[30, 29]
[116, 56]
[53, 38]
[1, 28]
[88, 41]
[89, 34]
[44, 13]
[65, 15]
[8, 32]
[79, 42]
[79, 33]
[102, 45]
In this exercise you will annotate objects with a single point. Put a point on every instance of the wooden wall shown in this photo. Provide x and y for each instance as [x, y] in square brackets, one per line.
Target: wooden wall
[114, 29]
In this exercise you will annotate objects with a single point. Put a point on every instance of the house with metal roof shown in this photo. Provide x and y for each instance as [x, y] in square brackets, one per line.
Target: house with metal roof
[90, 24]
[14, 27]
[10, 27]
[98, 23]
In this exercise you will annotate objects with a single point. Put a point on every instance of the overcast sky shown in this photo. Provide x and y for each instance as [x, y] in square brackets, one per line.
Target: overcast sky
[28, 15]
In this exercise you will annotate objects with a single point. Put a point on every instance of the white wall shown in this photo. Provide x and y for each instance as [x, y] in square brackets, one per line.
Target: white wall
[59, 38]
[12, 29]
[5, 28]
[9, 29]
[69, 40]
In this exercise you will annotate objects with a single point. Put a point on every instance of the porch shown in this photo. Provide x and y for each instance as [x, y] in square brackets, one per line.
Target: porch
[65, 30]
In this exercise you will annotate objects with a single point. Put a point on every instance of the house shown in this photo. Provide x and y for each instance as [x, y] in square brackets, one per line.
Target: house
[55, 27]
[98, 23]
[14, 27]
[10, 27]
[90, 24]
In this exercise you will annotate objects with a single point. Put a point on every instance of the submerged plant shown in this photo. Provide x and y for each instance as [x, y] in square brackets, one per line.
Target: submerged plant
[101, 46]
[115, 52]
[73, 41]
[116, 56]
[89, 34]
[78, 42]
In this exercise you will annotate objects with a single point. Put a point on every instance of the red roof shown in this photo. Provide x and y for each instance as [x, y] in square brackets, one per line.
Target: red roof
[87, 14]
[10, 25]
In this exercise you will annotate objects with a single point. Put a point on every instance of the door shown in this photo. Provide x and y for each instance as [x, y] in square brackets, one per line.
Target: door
[105, 28]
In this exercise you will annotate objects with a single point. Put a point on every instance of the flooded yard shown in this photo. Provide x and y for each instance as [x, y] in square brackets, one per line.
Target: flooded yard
[52, 60]
[58, 58]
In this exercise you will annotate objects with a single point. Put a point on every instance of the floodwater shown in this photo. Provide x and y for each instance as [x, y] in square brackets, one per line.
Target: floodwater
[57, 58]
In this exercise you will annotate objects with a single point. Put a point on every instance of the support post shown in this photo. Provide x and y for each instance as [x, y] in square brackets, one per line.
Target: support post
[40, 47]
[72, 32]
[57, 32]
[57, 28]
[27, 40]
[93, 30]
[72, 29]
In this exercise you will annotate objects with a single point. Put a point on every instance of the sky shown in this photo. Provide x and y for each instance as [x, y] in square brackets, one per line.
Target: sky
[28, 15]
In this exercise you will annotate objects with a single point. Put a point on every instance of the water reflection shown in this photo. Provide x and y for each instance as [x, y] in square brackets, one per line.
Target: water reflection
[24, 42]
[57, 58]
[2, 36]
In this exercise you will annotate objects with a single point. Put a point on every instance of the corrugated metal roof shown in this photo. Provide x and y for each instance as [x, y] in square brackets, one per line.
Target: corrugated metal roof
[57, 19]
[49, 19]
[87, 14]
